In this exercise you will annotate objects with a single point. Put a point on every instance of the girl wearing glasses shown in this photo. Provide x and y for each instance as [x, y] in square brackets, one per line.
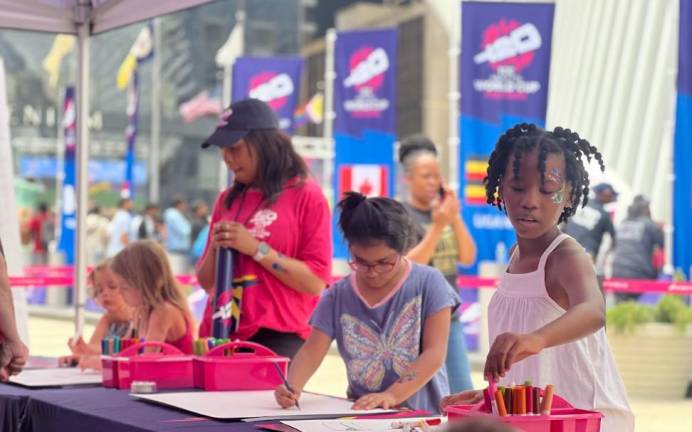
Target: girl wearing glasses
[390, 317]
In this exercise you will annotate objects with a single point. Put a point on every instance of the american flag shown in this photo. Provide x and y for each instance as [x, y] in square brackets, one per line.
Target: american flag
[204, 104]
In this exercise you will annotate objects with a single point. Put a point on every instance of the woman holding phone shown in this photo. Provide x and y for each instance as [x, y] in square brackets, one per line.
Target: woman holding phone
[442, 239]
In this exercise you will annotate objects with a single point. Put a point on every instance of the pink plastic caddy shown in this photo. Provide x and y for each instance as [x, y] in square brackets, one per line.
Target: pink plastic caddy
[169, 368]
[563, 417]
[224, 368]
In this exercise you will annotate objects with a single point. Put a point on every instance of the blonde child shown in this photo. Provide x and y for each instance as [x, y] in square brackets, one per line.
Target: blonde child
[390, 316]
[149, 286]
[547, 315]
[116, 320]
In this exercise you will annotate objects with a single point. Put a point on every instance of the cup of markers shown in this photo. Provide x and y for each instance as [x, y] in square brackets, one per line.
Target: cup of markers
[529, 408]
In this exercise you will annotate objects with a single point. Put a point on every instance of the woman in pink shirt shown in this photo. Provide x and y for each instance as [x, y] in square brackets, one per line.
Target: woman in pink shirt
[277, 220]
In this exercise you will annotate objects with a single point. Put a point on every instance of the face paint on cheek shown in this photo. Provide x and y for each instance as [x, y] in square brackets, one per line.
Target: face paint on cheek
[558, 196]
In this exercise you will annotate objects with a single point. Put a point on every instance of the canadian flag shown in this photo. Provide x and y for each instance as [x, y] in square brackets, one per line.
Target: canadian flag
[370, 180]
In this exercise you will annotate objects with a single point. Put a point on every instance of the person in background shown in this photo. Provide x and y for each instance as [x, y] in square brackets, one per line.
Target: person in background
[144, 225]
[277, 219]
[200, 218]
[638, 238]
[590, 223]
[13, 352]
[178, 227]
[120, 227]
[441, 238]
[41, 232]
[96, 235]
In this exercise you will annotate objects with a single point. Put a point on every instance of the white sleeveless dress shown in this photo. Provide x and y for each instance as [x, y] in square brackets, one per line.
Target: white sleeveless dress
[583, 372]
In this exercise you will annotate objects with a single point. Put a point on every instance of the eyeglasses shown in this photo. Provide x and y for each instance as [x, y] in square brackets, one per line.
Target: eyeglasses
[381, 267]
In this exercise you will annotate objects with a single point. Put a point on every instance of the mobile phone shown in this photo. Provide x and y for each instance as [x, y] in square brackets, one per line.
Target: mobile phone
[441, 192]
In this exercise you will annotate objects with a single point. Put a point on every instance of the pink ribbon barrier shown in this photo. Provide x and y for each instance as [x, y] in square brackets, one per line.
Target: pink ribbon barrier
[63, 277]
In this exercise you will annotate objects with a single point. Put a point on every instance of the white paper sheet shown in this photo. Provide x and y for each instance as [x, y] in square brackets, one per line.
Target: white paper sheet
[255, 405]
[57, 377]
[354, 425]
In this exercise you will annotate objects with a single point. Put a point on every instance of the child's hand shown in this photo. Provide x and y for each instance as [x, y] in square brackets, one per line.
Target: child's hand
[78, 346]
[375, 400]
[286, 398]
[467, 397]
[509, 348]
[68, 361]
[90, 362]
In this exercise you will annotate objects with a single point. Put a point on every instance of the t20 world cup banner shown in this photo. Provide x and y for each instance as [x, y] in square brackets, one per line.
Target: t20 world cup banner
[505, 61]
[274, 80]
[365, 123]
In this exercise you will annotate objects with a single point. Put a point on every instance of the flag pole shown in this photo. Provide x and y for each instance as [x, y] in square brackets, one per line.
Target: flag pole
[329, 115]
[155, 149]
[227, 88]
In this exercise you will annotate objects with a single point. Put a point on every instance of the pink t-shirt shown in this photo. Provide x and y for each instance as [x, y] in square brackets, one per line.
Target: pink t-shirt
[297, 225]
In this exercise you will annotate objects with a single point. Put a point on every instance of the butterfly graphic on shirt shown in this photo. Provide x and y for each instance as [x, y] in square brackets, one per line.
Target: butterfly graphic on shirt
[374, 352]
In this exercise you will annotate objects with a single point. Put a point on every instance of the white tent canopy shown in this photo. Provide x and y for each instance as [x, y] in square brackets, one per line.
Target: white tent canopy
[83, 18]
[65, 16]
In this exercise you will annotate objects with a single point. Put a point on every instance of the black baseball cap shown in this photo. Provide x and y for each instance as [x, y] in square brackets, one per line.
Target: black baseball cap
[239, 119]
[603, 187]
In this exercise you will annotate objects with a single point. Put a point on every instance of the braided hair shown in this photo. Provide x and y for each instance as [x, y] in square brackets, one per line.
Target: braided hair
[524, 137]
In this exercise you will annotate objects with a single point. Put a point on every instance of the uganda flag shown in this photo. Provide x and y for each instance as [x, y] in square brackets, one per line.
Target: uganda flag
[474, 191]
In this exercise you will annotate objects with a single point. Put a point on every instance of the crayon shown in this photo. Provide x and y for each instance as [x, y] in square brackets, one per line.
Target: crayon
[508, 401]
[492, 388]
[416, 425]
[104, 346]
[486, 400]
[529, 399]
[536, 396]
[519, 401]
[499, 400]
[116, 345]
[547, 403]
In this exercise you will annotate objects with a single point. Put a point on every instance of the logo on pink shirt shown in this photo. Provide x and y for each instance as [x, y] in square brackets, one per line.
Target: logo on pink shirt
[261, 221]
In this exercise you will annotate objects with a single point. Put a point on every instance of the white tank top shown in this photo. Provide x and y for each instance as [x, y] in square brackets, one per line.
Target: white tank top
[583, 372]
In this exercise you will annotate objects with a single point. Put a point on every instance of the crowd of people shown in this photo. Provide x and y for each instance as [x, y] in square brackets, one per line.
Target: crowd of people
[181, 230]
[393, 317]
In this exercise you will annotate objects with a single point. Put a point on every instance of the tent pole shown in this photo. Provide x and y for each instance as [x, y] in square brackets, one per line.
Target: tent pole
[82, 152]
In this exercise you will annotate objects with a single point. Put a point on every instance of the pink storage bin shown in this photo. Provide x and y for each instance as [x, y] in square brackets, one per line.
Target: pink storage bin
[169, 368]
[563, 417]
[254, 370]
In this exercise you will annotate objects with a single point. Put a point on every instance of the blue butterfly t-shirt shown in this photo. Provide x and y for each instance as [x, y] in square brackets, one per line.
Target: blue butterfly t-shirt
[378, 343]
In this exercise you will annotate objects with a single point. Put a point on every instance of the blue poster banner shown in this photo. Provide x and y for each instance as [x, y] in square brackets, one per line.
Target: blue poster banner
[505, 62]
[682, 151]
[365, 123]
[68, 205]
[128, 187]
[274, 80]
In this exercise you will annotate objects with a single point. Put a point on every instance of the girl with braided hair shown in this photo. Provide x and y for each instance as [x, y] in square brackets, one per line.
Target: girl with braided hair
[547, 316]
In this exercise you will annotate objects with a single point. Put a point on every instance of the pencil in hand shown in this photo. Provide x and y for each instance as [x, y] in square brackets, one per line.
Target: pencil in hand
[286, 384]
